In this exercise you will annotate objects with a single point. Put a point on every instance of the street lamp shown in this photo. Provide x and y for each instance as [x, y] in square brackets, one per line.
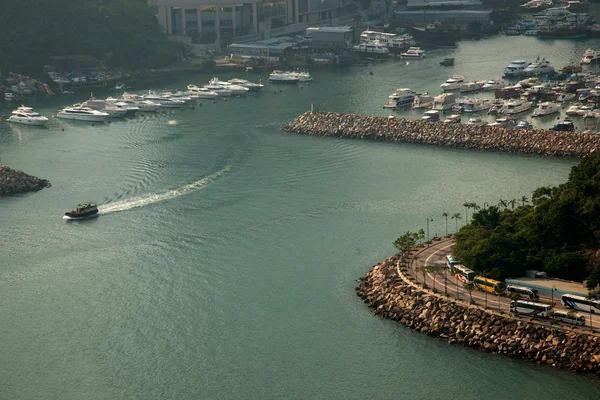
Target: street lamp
[428, 219]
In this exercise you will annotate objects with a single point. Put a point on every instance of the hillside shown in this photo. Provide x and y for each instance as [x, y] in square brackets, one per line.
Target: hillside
[120, 32]
[558, 231]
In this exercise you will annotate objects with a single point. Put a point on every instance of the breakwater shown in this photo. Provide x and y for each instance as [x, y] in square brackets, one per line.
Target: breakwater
[401, 130]
[391, 296]
[13, 181]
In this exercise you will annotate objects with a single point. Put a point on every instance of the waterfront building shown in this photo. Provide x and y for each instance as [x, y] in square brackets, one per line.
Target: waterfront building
[455, 17]
[331, 37]
[209, 21]
[444, 5]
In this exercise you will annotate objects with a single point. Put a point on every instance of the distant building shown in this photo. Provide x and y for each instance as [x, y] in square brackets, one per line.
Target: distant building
[223, 19]
[444, 4]
[454, 17]
[331, 37]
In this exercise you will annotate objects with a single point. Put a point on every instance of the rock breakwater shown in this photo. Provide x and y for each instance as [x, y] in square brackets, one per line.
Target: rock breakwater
[392, 297]
[13, 181]
[401, 130]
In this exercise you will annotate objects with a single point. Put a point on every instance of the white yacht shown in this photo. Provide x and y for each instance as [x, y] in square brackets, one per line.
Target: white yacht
[574, 109]
[524, 125]
[201, 92]
[475, 105]
[82, 114]
[102, 105]
[453, 83]
[431, 116]
[452, 119]
[471, 86]
[516, 106]
[497, 105]
[565, 97]
[413, 52]
[401, 98]
[516, 68]
[178, 95]
[546, 108]
[422, 101]
[25, 115]
[303, 76]
[163, 100]
[493, 84]
[236, 90]
[253, 87]
[504, 121]
[475, 120]
[133, 100]
[590, 57]
[221, 90]
[371, 48]
[443, 102]
[283, 77]
[538, 68]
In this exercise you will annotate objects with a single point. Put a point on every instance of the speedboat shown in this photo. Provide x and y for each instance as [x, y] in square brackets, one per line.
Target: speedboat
[413, 52]
[79, 113]
[516, 68]
[546, 108]
[135, 101]
[401, 98]
[253, 87]
[453, 83]
[529, 82]
[25, 115]
[283, 77]
[524, 125]
[538, 68]
[493, 84]
[590, 57]
[516, 106]
[83, 211]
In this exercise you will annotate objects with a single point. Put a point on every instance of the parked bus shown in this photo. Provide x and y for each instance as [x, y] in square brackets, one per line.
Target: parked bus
[580, 303]
[489, 285]
[523, 292]
[463, 273]
[530, 308]
[569, 317]
[451, 262]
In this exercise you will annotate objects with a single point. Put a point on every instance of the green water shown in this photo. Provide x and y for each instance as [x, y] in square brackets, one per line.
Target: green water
[224, 264]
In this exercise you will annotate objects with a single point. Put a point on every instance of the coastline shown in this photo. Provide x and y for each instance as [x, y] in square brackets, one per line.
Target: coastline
[13, 181]
[393, 296]
[402, 130]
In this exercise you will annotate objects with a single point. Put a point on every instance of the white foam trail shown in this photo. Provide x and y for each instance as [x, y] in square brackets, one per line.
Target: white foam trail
[141, 201]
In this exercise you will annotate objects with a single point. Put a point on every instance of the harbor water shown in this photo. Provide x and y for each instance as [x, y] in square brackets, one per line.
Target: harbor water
[224, 261]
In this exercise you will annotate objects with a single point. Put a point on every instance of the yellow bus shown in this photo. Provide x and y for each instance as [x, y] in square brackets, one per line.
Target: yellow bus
[489, 285]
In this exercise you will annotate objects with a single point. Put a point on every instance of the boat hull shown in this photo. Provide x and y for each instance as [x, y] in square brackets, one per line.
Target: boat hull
[27, 121]
[88, 118]
[74, 217]
[285, 81]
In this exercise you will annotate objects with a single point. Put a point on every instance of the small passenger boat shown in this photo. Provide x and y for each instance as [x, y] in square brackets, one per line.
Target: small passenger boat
[83, 211]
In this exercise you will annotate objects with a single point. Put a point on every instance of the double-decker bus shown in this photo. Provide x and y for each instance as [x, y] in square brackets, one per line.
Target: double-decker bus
[523, 292]
[580, 303]
[530, 308]
[569, 317]
[489, 285]
[463, 273]
[451, 262]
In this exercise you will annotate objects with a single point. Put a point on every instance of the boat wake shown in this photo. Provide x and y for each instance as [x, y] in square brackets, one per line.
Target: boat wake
[142, 201]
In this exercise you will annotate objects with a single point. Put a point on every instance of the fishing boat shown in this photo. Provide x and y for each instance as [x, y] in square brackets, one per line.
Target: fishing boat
[83, 211]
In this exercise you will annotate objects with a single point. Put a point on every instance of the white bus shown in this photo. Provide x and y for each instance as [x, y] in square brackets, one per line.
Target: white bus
[451, 262]
[523, 292]
[530, 308]
[464, 274]
[569, 317]
[580, 303]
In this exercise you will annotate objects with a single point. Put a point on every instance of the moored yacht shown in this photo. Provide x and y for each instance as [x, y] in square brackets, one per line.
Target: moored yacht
[453, 83]
[164, 100]
[25, 115]
[443, 102]
[546, 108]
[471, 86]
[590, 57]
[476, 105]
[524, 125]
[201, 92]
[516, 68]
[401, 98]
[103, 106]
[516, 106]
[371, 48]
[283, 77]
[422, 101]
[236, 90]
[475, 120]
[82, 114]
[413, 52]
[493, 84]
[538, 68]
[253, 87]
[497, 105]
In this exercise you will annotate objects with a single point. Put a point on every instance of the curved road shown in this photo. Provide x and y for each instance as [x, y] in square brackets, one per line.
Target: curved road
[436, 253]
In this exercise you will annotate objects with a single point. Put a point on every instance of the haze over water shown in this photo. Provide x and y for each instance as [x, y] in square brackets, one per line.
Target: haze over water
[224, 264]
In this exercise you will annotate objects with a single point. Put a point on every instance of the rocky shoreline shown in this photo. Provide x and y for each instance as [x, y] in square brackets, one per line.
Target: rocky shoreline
[394, 298]
[13, 181]
[401, 130]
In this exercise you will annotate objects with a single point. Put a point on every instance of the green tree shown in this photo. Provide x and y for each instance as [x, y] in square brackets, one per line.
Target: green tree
[445, 215]
[467, 205]
[405, 243]
[456, 217]
[470, 286]
[423, 269]
[524, 200]
[503, 204]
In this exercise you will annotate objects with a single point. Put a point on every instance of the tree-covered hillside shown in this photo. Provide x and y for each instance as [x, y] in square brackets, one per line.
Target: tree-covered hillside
[121, 32]
[558, 232]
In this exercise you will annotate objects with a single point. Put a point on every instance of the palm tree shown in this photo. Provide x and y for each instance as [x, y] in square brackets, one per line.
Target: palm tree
[502, 204]
[470, 286]
[512, 203]
[456, 216]
[467, 205]
[445, 215]
[475, 207]
[524, 200]
[421, 234]
[423, 269]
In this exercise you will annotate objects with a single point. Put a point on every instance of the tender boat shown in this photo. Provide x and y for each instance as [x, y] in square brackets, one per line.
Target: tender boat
[431, 116]
[413, 52]
[538, 68]
[453, 83]
[82, 114]
[516, 68]
[401, 98]
[524, 125]
[566, 125]
[25, 115]
[516, 106]
[452, 119]
[443, 102]
[83, 211]
[590, 57]
[283, 77]
[546, 108]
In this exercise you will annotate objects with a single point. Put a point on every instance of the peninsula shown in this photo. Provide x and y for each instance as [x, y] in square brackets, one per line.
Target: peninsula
[401, 130]
[13, 181]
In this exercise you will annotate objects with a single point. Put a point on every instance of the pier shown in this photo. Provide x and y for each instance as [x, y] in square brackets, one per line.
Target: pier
[401, 130]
